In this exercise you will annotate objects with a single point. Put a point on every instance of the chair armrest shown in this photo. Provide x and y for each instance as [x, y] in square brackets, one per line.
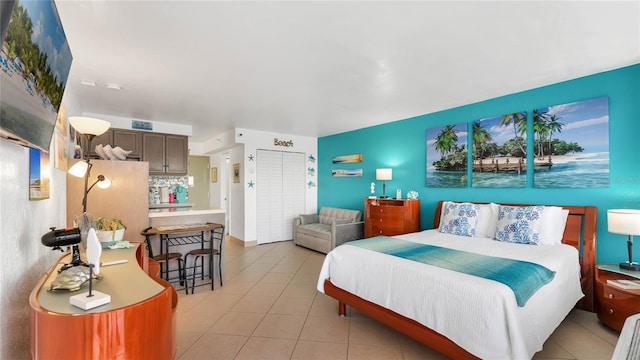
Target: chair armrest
[346, 232]
[309, 219]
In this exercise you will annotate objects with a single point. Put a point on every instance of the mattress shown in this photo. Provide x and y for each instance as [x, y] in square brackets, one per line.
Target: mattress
[478, 314]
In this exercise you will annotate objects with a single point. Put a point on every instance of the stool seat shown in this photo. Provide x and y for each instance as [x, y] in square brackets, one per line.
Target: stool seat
[164, 259]
[170, 256]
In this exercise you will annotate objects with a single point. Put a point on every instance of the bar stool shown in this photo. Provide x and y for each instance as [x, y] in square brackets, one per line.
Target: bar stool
[164, 259]
[210, 251]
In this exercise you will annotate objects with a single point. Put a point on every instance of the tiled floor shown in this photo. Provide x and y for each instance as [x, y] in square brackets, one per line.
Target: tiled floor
[269, 308]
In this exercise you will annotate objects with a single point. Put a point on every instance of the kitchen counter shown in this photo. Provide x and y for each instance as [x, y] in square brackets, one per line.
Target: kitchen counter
[170, 205]
[185, 216]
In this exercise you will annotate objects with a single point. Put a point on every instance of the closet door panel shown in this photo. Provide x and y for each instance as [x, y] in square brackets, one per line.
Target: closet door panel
[293, 195]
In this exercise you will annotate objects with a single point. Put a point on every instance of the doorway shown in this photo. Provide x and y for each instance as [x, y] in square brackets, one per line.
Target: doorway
[199, 191]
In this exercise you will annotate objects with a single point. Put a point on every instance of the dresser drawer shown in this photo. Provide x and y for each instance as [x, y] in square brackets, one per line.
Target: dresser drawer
[618, 297]
[379, 212]
[614, 306]
[386, 230]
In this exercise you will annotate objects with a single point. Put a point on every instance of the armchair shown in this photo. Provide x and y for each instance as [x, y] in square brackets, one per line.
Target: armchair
[331, 227]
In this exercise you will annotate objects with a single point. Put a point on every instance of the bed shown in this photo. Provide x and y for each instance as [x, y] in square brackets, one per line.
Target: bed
[458, 314]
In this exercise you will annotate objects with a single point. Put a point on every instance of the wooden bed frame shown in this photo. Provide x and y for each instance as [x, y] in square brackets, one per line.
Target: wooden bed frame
[580, 232]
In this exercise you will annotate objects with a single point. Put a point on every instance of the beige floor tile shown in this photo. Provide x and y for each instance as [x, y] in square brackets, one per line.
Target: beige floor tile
[254, 304]
[552, 350]
[236, 323]
[277, 278]
[236, 287]
[267, 289]
[300, 290]
[214, 347]
[314, 350]
[367, 331]
[286, 268]
[368, 352]
[280, 326]
[328, 330]
[324, 306]
[265, 348]
[292, 306]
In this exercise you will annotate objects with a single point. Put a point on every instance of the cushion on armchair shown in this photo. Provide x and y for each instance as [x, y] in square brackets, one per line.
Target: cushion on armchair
[309, 219]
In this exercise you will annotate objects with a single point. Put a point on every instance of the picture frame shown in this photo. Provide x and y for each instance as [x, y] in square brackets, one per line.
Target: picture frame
[214, 174]
[39, 175]
[236, 173]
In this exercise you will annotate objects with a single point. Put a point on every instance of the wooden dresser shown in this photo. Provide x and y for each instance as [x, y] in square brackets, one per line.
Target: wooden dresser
[615, 304]
[390, 217]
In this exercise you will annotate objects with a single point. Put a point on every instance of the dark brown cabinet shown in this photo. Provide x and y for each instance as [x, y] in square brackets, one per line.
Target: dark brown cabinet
[166, 154]
[128, 140]
[390, 217]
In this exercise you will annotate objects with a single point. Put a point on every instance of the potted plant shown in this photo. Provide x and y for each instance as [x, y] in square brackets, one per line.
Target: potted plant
[109, 229]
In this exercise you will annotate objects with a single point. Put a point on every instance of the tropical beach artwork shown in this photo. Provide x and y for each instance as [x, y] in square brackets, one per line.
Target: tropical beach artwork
[574, 138]
[447, 156]
[39, 176]
[35, 61]
[500, 151]
[342, 159]
[346, 172]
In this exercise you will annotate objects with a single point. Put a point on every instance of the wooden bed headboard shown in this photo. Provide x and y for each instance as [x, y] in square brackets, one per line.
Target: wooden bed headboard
[580, 232]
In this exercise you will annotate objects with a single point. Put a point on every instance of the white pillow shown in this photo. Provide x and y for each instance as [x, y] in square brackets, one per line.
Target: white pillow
[519, 224]
[459, 218]
[552, 224]
[487, 219]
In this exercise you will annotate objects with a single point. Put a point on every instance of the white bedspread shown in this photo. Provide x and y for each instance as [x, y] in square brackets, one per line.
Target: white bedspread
[479, 315]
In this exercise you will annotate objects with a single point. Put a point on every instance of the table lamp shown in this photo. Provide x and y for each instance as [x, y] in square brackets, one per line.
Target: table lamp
[384, 175]
[626, 222]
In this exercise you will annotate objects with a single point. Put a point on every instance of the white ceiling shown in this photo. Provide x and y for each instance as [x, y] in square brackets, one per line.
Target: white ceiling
[320, 68]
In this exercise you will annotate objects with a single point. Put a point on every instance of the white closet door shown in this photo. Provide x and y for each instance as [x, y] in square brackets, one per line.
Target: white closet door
[293, 197]
[280, 186]
[269, 196]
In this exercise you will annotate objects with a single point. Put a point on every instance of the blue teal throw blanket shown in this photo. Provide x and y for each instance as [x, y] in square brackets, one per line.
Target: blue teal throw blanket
[523, 277]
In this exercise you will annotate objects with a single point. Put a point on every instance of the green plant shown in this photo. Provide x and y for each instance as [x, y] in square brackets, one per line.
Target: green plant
[107, 224]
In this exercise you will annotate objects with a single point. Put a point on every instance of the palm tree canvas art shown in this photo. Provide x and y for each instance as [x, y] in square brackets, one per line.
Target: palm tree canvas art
[500, 151]
[574, 139]
[447, 156]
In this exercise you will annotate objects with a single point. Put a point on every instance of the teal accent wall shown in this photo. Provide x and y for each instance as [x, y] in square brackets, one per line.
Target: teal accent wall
[401, 145]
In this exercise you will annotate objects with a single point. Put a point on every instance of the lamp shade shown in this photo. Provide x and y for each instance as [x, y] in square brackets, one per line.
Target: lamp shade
[384, 174]
[624, 221]
[89, 126]
[79, 169]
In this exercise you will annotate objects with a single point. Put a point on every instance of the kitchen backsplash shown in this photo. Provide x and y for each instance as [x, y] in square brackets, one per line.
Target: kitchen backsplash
[177, 189]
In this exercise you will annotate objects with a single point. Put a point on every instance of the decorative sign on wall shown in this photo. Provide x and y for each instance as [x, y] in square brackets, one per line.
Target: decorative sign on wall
[141, 125]
[572, 145]
[214, 174]
[287, 143]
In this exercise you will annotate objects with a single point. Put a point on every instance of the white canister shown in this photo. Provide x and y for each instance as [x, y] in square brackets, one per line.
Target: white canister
[398, 194]
[164, 195]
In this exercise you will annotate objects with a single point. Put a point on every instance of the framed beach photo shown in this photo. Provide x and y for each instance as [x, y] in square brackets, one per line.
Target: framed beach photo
[500, 151]
[447, 156]
[572, 145]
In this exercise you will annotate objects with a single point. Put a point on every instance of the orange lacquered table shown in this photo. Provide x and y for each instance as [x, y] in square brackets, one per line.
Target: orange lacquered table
[138, 323]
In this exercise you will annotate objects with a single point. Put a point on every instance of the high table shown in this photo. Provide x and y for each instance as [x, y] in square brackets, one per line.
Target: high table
[138, 323]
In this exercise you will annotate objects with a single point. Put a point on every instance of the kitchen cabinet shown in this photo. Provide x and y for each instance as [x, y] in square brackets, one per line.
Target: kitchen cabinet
[390, 217]
[129, 140]
[166, 154]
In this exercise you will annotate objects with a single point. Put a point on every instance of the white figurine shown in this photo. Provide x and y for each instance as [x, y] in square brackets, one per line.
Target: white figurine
[373, 188]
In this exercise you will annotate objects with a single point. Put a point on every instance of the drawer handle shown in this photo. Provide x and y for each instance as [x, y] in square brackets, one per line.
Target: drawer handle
[380, 220]
[611, 311]
[380, 232]
[610, 296]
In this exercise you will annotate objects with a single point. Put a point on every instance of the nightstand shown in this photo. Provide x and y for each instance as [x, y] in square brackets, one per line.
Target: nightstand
[390, 217]
[615, 304]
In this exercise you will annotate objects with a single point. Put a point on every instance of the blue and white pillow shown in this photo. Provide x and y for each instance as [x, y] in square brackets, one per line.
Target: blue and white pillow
[519, 224]
[459, 218]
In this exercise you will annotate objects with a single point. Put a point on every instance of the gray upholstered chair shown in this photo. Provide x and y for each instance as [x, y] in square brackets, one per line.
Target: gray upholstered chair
[329, 228]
